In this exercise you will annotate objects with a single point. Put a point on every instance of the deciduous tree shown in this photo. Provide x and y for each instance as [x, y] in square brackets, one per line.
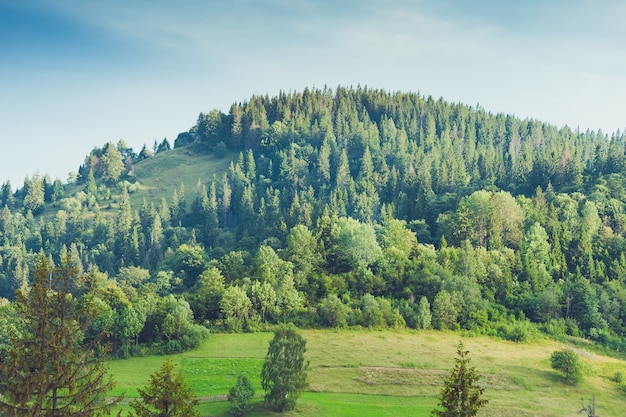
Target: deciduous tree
[567, 362]
[284, 373]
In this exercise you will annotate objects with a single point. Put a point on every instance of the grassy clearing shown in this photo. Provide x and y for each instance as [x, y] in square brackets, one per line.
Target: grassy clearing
[158, 176]
[164, 172]
[390, 373]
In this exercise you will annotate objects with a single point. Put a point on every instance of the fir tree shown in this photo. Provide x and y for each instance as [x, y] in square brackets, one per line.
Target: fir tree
[167, 395]
[460, 396]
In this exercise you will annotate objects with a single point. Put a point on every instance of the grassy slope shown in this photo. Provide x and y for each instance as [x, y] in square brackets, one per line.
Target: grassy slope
[160, 175]
[391, 373]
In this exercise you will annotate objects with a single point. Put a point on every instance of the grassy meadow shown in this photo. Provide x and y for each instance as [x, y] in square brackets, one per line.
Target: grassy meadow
[390, 373]
[164, 172]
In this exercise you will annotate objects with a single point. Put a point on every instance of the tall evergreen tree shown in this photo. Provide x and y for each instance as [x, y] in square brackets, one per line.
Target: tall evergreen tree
[50, 371]
[461, 396]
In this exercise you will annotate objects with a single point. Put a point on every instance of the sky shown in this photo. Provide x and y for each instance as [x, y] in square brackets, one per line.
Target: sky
[76, 74]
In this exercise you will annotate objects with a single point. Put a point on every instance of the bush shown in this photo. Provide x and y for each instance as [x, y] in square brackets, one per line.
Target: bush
[555, 327]
[519, 331]
[567, 362]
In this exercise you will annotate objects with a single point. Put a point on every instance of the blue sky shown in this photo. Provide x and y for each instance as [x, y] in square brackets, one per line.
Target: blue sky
[75, 74]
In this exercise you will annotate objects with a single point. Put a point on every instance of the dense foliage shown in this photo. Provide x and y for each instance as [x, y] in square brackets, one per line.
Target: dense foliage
[567, 362]
[240, 396]
[345, 207]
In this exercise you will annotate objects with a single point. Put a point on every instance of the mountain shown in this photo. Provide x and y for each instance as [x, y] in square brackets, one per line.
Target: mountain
[347, 206]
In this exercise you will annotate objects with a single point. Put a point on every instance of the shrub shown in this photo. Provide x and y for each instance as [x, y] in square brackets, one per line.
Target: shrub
[567, 362]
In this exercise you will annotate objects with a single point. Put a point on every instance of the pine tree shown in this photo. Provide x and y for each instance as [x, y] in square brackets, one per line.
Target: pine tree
[460, 396]
[50, 371]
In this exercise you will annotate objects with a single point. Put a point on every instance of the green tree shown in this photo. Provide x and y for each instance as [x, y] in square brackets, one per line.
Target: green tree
[303, 252]
[445, 311]
[240, 396]
[372, 315]
[111, 164]
[205, 301]
[8, 322]
[34, 194]
[394, 234]
[535, 256]
[355, 244]
[263, 298]
[424, 316]
[284, 373]
[167, 395]
[128, 324]
[178, 205]
[51, 371]
[567, 362]
[332, 312]
[6, 195]
[461, 396]
[235, 306]
[189, 261]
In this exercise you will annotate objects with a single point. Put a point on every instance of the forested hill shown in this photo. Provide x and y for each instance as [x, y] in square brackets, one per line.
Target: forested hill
[347, 206]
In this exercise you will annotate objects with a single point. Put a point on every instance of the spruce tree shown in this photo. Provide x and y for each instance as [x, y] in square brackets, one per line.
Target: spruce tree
[49, 370]
[461, 396]
[240, 395]
[167, 395]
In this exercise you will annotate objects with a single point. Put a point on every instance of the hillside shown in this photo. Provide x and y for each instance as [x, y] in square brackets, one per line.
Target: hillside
[334, 208]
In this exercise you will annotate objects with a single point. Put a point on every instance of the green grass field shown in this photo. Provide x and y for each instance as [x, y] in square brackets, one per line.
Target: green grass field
[389, 373]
